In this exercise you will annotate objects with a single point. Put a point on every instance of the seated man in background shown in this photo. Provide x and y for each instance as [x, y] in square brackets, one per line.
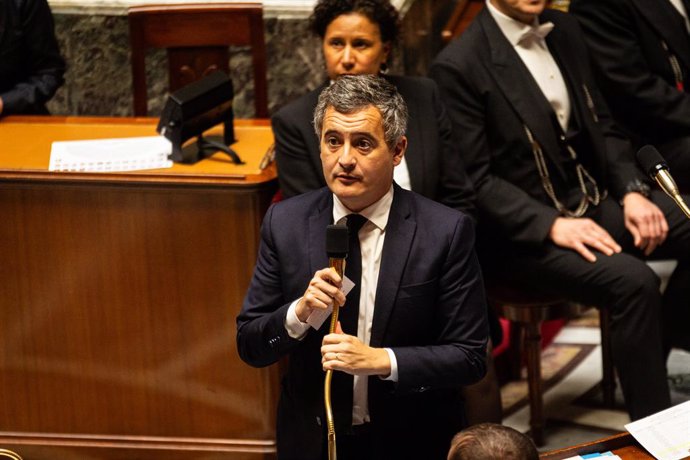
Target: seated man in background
[562, 208]
[31, 68]
[413, 330]
[489, 441]
[641, 55]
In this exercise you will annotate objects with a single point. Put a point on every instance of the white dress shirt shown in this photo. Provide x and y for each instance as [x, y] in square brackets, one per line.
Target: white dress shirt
[371, 238]
[535, 54]
[680, 6]
[401, 175]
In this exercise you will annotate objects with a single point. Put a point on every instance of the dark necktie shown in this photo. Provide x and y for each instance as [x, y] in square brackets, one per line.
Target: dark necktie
[353, 270]
[349, 314]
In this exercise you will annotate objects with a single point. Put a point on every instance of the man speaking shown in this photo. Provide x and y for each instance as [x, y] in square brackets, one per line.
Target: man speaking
[413, 329]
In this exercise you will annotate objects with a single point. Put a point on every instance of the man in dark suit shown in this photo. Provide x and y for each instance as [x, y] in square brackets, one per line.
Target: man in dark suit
[435, 169]
[418, 330]
[562, 208]
[641, 52]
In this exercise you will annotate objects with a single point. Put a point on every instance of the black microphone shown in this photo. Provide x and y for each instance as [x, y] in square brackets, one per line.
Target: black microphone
[654, 164]
[337, 246]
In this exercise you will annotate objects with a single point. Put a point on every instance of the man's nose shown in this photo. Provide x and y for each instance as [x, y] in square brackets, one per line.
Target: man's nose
[347, 159]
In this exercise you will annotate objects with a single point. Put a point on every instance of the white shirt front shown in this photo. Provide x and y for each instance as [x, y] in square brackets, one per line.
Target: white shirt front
[401, 175]
[538, 59]
[680, 6]
[371, 238]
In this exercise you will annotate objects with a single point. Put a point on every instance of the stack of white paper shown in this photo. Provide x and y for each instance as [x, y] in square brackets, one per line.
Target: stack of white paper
[666, 434]
[111, 155]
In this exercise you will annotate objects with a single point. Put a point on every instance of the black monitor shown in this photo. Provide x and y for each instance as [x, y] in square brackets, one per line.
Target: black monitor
[195, 108]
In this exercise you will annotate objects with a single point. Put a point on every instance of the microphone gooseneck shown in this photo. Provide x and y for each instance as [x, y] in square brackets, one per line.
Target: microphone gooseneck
[654, 164]
[336, 248]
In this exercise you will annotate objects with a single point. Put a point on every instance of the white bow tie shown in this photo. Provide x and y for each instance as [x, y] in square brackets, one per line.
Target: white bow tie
[534, 33]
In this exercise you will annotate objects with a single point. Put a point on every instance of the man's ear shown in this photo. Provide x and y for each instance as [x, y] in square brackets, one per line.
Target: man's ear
[399, 150]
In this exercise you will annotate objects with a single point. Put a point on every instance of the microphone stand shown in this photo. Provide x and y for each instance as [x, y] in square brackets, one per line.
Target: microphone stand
[336, 248]
[339, 265]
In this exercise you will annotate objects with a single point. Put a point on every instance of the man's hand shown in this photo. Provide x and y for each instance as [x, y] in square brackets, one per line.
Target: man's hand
[342, 352]
[323, 292]
[645, 221]
[1, 106]
[579, 233]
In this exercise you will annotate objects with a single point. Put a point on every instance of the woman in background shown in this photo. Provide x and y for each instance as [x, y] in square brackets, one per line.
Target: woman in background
[357, 38]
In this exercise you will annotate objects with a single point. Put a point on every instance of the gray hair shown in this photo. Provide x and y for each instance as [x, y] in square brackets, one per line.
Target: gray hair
[352, 93]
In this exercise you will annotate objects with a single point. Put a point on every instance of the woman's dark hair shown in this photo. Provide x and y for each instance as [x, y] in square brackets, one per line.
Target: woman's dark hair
[380, 12]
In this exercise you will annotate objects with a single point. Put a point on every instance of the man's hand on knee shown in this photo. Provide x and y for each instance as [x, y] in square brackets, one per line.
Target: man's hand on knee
[580, 234]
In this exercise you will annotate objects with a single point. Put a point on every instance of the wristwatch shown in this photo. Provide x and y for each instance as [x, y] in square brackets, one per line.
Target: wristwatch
[636, 185]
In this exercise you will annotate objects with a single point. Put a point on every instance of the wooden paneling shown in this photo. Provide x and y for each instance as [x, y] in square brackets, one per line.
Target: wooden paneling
[118, 304]
[463, 15]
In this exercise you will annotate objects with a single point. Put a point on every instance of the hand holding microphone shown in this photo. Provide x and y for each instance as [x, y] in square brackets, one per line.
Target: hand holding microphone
[653, 164]
[325, 287]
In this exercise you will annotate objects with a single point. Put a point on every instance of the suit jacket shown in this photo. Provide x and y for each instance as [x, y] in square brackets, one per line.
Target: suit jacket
[491, 97]
[632, 43]
[429, 309]
[434, 163]
[31, 68]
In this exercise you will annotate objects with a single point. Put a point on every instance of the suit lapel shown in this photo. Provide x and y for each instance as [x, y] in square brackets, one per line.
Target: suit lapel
[568, 64]
[400, 232]
[659, 14]
[318, 221]
[512, 76]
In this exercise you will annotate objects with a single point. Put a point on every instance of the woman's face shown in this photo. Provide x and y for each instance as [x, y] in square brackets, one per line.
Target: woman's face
[352, 46]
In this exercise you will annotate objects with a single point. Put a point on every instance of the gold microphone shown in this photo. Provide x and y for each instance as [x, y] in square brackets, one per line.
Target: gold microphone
[653, 163]
[336, 248]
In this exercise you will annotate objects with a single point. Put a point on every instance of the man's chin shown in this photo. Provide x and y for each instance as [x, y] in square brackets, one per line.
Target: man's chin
[346, 191]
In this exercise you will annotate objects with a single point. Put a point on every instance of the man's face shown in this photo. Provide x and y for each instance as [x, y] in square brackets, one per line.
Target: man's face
[357, 163]
[521, 10]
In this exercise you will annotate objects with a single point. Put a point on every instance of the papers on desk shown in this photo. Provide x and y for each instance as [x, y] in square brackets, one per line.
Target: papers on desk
[111, 155]
[666, 434]
[602, 455]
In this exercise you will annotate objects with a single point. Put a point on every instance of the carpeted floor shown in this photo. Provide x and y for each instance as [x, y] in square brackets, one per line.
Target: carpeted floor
[571, 371]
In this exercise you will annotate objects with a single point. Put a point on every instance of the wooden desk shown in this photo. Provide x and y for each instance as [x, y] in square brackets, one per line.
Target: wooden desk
[623, 445]
[118, 301]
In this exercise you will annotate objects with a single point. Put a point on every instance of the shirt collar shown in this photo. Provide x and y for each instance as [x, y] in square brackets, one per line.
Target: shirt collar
[377, 213]
[513, 29]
